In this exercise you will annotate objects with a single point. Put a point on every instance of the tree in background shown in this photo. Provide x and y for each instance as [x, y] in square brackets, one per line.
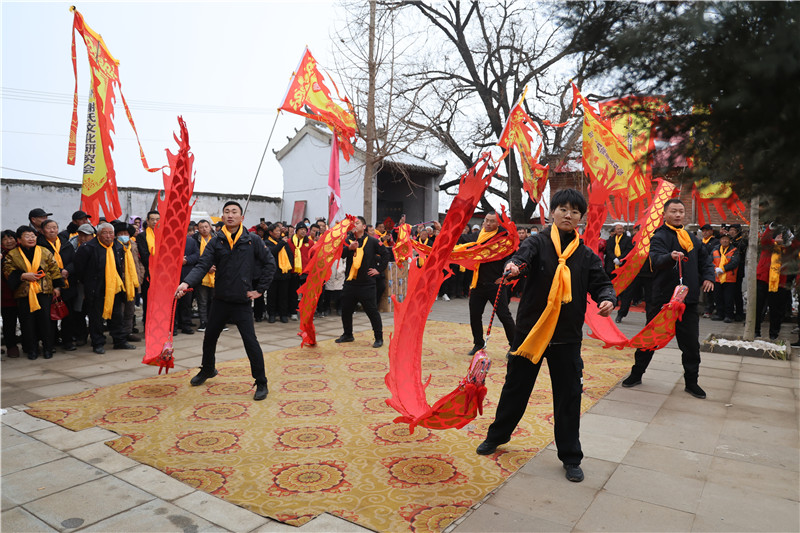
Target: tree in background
[741, 60]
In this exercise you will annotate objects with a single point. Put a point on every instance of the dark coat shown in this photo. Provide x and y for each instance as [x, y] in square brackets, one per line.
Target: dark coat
[192, 255]
[625, 246]
[248, 267]
[90, 267]
[275, 249]
[144, 254]
[68, 258]
[586, 272]
[375, 256]
[697, 269]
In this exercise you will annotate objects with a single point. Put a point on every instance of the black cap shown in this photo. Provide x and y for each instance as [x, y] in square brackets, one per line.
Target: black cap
[38, 212]
[736, 226]
[119, 227]
[77, 215]
[300, 225]
[705, 227]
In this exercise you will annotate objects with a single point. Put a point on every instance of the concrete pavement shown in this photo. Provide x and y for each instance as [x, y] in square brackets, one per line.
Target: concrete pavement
[657, 459]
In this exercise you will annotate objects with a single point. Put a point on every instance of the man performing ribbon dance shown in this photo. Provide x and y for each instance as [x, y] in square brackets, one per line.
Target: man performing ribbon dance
[561, 270]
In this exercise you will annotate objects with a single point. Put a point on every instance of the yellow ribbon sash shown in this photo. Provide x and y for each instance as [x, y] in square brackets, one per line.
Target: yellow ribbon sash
[357, 258]
[114, 283]
[723, 260]
[298, 258]
[150, 237]
[775, 269]
[560, 292]
[283, 258]
[57, 256]
[34, 287]
[131, 278]
[483, 236]
[210, 278]
[232, 239]
[683, 237]
[617, 250]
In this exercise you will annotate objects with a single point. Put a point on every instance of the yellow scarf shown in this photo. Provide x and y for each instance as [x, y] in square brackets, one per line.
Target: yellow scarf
[617, 250]
[560, 292]
[483, 236]
[210, 278]
[232, 240]
[114, 283]
[420, 259]
[775, 269]
[357, 258]
[131, 278]
[150, 237]
[298, 258]
[683, 237]
[283, 258]
[57, 255]
[723, 260]
[34, 287]
[705, 240]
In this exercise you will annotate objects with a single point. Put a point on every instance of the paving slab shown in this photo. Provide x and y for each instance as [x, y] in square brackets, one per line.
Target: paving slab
[88, 503]
[612, 512]
[155, 515]
[674, 461]
[752, 511]
[103, 457]
[657, 487]
[11, 437]
[25, 423]
[39, 481]
[758, 452]
[155, 482]
[613, 426]
[66, 439]
[776, 482]
[220, 512]
[547, 465]
[27, 455]
[20, 520]
[489, 517]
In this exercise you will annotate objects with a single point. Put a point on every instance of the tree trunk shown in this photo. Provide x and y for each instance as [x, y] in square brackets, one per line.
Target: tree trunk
[369, 166]
[515, 191]
[750, 273]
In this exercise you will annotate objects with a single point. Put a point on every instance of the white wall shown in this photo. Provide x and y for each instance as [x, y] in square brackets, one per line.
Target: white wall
[305, 177]
[18, 197]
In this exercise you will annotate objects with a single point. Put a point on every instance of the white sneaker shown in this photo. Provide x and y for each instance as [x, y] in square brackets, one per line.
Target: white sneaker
[294, 317]
[446, 298]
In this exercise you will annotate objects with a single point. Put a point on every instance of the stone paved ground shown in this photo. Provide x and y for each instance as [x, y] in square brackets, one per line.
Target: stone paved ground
[657, 459]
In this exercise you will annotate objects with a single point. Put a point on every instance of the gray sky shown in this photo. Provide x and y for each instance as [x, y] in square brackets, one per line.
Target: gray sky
[224, 67]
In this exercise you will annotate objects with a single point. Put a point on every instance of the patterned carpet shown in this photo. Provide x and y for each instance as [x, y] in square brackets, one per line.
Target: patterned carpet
[324, 438]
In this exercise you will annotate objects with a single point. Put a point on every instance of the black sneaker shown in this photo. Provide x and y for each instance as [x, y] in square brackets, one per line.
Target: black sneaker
[345, 338]
[261, 392]
[632, 381]
[378, 343]
[574, 473]
[271, 319]
[202, 376]
[202, 327]
[487, 447]
[475, 349]
[695, 390]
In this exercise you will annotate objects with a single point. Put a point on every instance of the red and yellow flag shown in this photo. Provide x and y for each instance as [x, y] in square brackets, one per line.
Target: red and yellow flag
[99, 178]
[519, 134]
[308, 89]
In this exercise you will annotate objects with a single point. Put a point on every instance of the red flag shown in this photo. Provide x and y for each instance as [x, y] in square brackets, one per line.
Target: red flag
[308, 89]
[334, 190]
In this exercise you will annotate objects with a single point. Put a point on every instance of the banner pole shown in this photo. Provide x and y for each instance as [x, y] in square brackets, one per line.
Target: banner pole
[253, 186]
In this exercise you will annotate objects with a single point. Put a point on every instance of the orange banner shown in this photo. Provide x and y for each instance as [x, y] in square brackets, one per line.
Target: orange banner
[519, 135]
[308, 89]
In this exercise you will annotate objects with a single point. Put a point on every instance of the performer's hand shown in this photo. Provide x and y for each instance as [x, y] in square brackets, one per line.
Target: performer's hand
[372, 272]
[676, 256]
[212, 269]
[511, 270]
[708, 286]
[29, 276]
[353, 246]
[253, 295]
[64, 273]
[605, 307]
[181, 290]
[56, 292]
[184, 259]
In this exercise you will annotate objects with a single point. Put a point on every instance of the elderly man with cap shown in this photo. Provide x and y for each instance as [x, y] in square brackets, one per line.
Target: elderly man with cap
[36, 217]
[79, 218]
[133, 277]
[100, 265]
[86, 233]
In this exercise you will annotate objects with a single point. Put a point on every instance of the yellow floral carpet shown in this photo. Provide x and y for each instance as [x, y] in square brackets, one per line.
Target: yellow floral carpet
[324, 440]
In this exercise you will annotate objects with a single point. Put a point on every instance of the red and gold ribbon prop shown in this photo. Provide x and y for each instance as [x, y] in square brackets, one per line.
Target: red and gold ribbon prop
[595, 217]
[308, 89]
[518, 134]
[654, 336]
[720, 195]
[652, 219]
[472, 254]
[403, 246]
[99, 177]
[325, 252]
[165, 264]
[404, 379]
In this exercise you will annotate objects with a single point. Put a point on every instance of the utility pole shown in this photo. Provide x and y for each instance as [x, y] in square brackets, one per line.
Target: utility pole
[751, 262]
[372, 70]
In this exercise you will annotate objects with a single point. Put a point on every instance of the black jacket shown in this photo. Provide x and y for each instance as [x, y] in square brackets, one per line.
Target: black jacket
[90, 266]
[375, 256]
[625, 246]
[586, 272]
[489, 272]
[192, 254]
[68, 258]
[248, 267]
[275, 248]
[666, 277]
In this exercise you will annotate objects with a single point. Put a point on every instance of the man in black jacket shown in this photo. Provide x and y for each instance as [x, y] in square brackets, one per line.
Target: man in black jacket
[146, 241]
[244, 271]
[555, 328]
[102, 300]
[484, 286]
[617, 247]
[278, 301]
[183, 309]
[669, 245]
[365, 258]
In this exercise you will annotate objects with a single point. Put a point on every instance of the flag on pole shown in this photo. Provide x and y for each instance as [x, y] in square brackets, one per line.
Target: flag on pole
[308, 90]
[99, 178]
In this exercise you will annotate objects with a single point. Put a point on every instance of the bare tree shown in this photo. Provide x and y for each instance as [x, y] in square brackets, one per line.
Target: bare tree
[480, 58]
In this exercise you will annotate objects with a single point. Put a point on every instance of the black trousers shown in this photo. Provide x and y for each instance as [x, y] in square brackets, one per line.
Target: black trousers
[482, 294]
[94, 309]
[183, 312]
[144, 288]
[724, 294]
[687, 333]
[628, 295]
[295, 282]
[10, 315]
[278, 297]
[738, 299]
[36, 326]
[777, 306]
[566, 373]
[222, 312]
[353, 294]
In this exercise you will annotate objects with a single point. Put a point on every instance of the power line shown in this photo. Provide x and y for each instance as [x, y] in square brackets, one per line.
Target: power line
[44, 175]
[66, 135]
